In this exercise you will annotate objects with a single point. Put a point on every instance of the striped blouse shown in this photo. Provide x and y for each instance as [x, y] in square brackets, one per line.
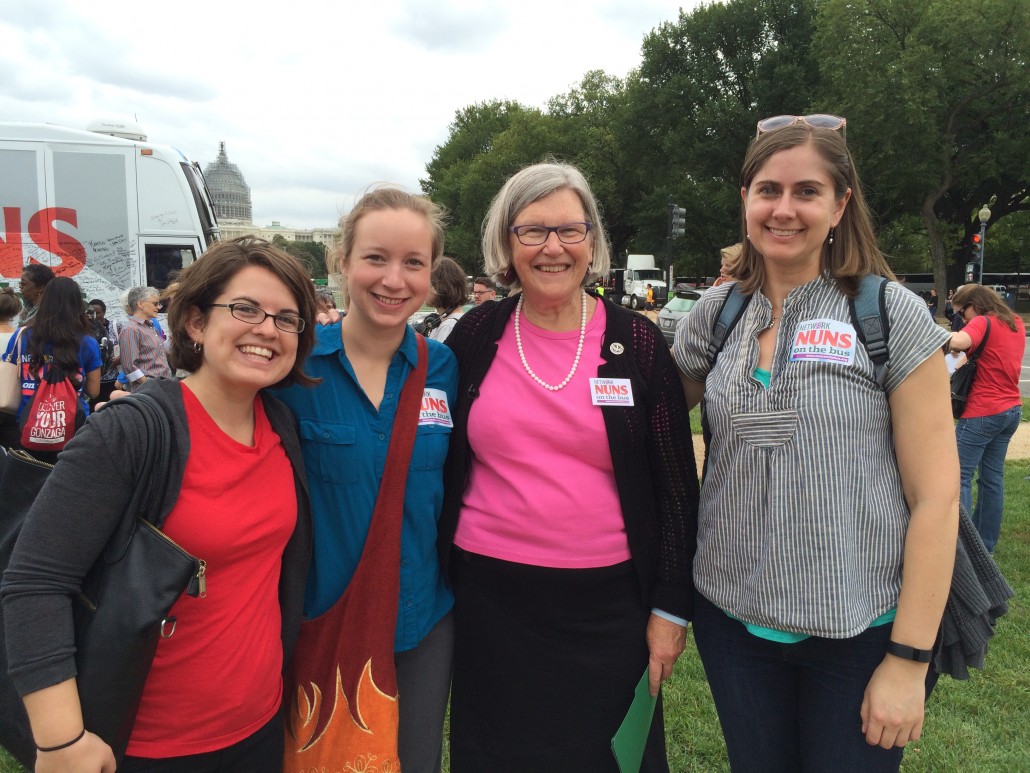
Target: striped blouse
[142, 350]
[802, 517]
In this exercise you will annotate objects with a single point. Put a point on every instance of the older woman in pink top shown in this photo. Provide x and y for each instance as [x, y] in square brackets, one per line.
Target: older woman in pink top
[570, 507]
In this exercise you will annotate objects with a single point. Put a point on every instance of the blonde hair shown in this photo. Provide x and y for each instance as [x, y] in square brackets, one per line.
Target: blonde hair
[380, 198]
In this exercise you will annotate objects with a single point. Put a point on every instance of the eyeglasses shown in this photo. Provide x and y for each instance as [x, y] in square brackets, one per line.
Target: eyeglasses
[817, 121]
[478, 293]
[244, 312]
[567, 233]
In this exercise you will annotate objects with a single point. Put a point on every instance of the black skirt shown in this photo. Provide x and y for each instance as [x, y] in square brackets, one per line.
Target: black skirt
[545, 666]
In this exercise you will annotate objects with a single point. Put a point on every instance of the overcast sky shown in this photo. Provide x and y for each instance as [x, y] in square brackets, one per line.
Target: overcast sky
[314, 99]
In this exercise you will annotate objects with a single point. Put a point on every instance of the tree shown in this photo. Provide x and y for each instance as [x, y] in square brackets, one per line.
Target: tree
[935, 92]
[310, 254]
[487, 142]
[591, 130]
[704, 82]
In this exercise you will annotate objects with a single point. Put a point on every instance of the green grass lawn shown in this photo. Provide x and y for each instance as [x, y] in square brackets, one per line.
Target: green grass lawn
[982, 724]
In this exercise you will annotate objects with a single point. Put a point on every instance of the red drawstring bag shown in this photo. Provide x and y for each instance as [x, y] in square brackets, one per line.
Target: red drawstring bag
[50, 419]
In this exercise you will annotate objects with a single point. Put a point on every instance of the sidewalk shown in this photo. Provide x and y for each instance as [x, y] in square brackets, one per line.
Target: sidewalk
[1019, 448]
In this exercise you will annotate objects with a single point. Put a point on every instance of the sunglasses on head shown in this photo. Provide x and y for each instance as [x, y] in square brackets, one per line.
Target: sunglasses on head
[817, 121]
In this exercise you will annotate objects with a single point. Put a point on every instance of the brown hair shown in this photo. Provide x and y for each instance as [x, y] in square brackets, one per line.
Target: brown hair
[200, 284]
[450, 286]
[386, 197]
[854, 252]
[985, 300]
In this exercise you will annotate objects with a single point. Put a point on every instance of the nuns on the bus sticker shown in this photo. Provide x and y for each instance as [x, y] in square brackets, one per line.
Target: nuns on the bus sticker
[824, 340]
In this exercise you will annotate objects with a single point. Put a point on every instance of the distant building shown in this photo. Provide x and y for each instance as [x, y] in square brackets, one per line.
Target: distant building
[228, 188]
[234, 209]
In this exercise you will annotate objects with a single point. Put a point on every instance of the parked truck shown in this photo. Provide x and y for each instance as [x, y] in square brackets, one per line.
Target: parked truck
[628, 286]
[105, 207]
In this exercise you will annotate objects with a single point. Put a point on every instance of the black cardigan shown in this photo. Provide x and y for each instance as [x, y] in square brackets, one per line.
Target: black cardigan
[651, 446]
[80, 506]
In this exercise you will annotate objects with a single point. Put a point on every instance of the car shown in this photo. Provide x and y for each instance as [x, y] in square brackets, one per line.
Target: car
[674, 310]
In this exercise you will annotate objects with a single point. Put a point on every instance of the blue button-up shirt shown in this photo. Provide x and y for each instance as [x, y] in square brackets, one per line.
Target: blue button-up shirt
[344, 439]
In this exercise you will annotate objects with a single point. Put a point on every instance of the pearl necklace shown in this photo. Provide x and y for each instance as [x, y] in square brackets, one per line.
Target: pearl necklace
[579, 348]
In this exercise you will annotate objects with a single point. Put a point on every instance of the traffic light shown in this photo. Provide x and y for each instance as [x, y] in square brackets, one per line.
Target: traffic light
[978, 247]
[677, 221]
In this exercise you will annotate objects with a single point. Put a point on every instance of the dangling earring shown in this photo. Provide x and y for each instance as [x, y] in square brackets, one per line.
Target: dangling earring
[832, 231]
[198, 347]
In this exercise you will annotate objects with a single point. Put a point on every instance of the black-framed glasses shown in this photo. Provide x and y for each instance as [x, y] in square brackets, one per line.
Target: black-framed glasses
[244, 312]
[817, 121]
[567, 233]
[478, 293]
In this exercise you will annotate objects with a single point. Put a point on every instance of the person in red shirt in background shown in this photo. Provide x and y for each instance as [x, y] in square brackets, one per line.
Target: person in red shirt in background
[994, 406]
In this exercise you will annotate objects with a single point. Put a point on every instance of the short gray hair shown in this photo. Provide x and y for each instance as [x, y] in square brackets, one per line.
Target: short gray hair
[522, 189]
[137, 294]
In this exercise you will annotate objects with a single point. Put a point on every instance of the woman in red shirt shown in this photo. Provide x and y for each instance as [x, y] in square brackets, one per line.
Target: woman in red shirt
[994, 404]
[240, 322]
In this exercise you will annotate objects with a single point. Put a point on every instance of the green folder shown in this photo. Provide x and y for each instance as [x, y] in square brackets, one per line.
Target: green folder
[628, 743]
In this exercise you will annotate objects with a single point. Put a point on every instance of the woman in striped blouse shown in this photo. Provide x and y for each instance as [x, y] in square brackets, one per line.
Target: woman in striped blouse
[828, 512]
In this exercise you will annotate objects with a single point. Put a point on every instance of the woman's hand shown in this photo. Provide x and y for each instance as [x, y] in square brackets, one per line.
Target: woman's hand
[892, 710]
[87, 755]
[665, 642]
[115, 394]
[330, 317]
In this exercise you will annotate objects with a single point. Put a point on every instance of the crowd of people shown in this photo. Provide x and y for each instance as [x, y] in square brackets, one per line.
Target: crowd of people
[504, 516]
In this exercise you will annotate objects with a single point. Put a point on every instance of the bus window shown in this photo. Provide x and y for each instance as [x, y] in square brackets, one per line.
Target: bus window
[165, 261]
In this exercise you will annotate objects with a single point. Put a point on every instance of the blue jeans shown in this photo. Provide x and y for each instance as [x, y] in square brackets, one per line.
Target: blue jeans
[792, 707]
[982, 444]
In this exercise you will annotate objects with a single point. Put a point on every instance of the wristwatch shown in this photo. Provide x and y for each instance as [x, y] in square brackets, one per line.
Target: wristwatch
[905, 652]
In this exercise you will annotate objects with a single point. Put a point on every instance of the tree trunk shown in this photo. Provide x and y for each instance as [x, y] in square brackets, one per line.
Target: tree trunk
[937, 254]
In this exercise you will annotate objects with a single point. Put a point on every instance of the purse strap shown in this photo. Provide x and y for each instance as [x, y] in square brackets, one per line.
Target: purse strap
[983, 342]
[152, 473]
[402, 439]
[15, 355]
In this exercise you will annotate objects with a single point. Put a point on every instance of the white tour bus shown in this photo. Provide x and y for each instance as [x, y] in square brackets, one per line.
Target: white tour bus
[105, 207]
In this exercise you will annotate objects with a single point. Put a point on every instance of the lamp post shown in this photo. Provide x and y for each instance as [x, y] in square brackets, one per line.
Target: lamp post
[984, 214]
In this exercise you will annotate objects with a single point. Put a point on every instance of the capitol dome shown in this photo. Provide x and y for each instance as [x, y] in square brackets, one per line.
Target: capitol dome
[229, 190]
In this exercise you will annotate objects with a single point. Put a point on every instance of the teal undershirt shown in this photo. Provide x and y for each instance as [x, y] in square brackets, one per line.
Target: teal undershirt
[789, 637]
[762, 376]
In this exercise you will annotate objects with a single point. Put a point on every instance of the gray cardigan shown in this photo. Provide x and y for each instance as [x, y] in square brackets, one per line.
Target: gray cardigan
[78, 509]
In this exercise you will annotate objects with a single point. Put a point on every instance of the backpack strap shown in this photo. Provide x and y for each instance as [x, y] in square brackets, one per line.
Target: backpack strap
[869, 313]
[730, 312]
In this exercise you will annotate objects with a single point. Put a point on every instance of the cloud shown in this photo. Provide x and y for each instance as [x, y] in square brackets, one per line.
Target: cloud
[454, 27]
[316, 100]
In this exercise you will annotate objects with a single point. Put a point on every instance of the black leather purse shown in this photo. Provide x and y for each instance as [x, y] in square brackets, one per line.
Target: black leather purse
[122, 611]
[962, 378]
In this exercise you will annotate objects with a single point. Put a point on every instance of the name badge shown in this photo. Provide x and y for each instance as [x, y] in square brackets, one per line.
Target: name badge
[611, 391]
[435, 409]
[824, 340]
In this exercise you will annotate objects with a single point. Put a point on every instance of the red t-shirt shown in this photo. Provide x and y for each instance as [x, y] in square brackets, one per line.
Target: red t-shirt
[996, 386]
[218, 678]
